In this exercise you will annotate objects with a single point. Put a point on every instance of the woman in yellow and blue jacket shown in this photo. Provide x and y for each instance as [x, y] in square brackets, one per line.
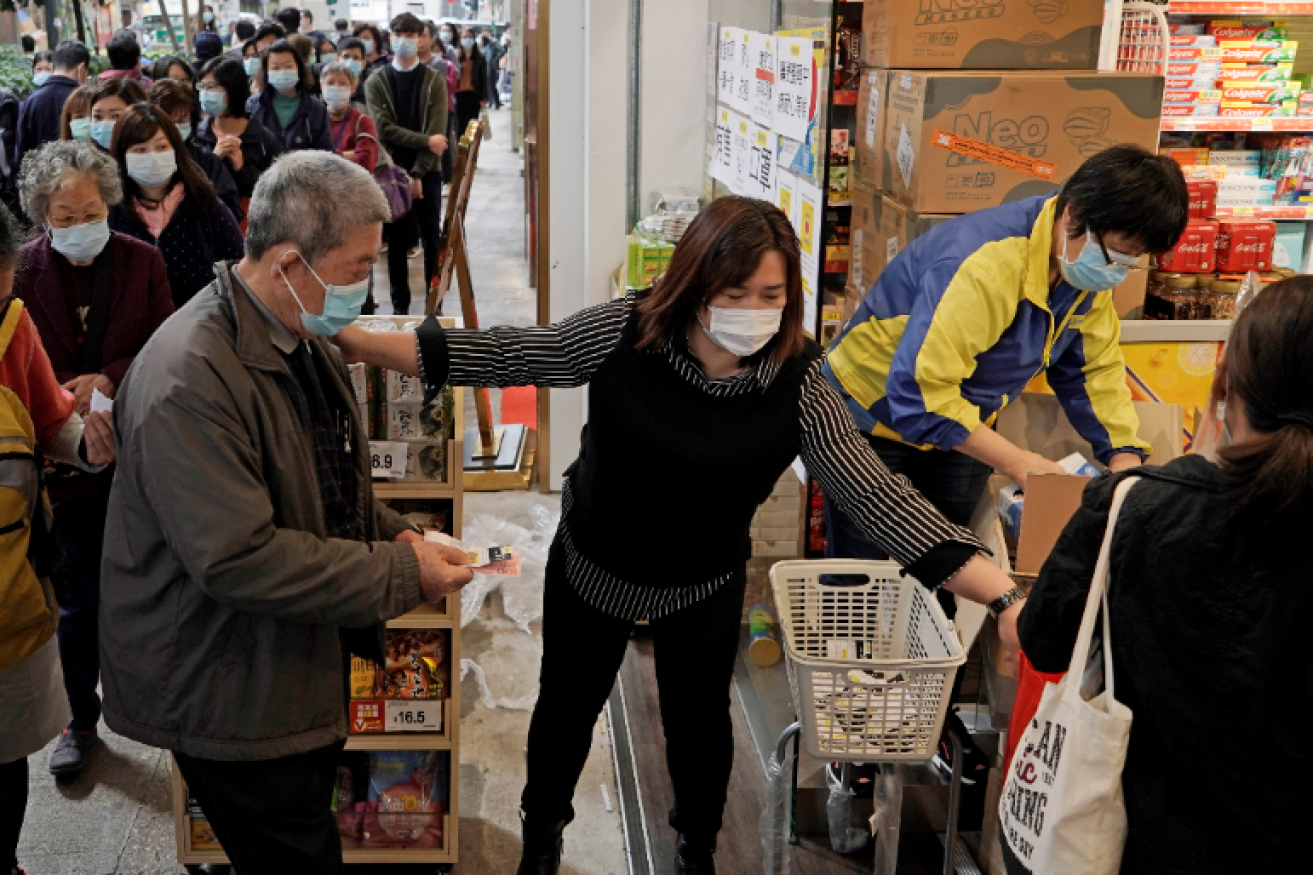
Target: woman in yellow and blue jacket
[969, 313]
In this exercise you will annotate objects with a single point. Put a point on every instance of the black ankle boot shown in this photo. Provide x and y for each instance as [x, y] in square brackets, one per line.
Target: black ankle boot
[694, 857]
[542, 849]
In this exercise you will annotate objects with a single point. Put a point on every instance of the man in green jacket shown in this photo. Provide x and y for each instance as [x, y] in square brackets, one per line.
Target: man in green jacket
[408, 102]
[245, 555]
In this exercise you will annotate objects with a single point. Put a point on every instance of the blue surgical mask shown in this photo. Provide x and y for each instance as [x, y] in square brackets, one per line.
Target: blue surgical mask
[214, 103]
[446, 36]
[251, 66]
[405, 47]
[336, 96]
[80, 129]
[467, 42]
[354, 65]
[328, 57]
[103, 132]
[369, 46]
[1091, 271]
[207, 17]
[39, 79]
[184, 131]
[81, 242]
[342, 304]
[283, 81]
[151, 169]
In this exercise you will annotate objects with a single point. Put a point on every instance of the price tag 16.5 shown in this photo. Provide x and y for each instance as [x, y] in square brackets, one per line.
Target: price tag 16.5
[387, 459]
[413, 715]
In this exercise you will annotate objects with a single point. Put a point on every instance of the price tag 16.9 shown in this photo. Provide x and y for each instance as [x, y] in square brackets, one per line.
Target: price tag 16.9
[413, 715]
[387, 459]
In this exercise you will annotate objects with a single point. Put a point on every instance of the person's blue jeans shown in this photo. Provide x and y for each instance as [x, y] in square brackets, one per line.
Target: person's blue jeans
[80, 525]
[949, 480]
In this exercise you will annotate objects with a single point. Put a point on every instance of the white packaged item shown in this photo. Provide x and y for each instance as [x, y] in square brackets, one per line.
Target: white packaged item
[1250, 157]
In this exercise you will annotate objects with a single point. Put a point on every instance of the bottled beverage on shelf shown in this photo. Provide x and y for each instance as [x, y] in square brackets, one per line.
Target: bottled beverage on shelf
[1173, 296]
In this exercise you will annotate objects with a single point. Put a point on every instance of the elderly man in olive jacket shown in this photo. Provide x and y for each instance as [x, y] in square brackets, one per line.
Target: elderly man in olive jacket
[245, 554]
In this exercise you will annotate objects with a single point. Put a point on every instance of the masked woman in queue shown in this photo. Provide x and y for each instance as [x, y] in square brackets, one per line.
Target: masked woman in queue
[702, 392]
[969, 313]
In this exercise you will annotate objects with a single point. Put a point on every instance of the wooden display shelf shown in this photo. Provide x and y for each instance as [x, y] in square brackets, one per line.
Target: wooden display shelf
[405, 740]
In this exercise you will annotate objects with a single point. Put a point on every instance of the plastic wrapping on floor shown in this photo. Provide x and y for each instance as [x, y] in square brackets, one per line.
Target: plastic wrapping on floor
[522, 597]
[491, 699]
[774, 827]
[887, 818]
[844, 837]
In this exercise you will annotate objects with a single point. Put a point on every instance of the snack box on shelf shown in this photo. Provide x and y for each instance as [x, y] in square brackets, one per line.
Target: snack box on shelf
[1244, 245]
[1195, 251]
[1203, 198]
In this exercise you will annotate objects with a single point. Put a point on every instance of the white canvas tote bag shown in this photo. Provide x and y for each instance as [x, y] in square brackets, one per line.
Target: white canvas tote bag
[1062, 811]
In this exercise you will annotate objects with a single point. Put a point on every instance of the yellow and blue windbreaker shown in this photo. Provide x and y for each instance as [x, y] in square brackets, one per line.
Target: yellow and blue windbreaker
[962, 319]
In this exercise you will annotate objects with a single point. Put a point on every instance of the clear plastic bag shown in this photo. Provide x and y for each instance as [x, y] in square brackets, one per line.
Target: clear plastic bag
[1250, 286]
[844, 837]
[888, 798]
[774, 829]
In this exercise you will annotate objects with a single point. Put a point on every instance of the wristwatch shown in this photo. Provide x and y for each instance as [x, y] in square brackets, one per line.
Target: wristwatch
[1005, 601]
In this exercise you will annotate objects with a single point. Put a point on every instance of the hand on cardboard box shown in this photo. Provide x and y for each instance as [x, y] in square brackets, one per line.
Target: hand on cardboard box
[1030, 463]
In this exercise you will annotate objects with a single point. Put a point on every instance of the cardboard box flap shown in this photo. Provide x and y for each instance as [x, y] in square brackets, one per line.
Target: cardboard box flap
[1051, 501]
[1036, 422]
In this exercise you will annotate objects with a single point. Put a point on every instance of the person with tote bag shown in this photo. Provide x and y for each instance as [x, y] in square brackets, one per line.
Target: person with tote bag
[1209, 597]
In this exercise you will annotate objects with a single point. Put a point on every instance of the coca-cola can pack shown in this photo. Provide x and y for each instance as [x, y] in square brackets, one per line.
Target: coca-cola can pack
[1245, 244]
[1203, 198]
[1195, 251]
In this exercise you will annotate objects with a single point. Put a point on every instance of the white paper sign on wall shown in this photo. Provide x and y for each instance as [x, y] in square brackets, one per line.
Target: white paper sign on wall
[721, 158]
[740, 181]
[761, 171]
[794, 87]
[762, 100]
[730, 37]
[743, 73]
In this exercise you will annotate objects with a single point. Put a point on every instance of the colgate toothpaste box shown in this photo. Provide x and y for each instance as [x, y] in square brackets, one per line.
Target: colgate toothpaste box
[1254, 110]
[1179, 97]
[1203, 198]
[1258, 92]
[1192, 110]
[1194, 252]
[1253, 51]
[1187, 27]
[1245, 244]
[1195, 70]
[1283, 72]
[1185, 40]
[1247, 30]
[1207, 83]
[1197, 55]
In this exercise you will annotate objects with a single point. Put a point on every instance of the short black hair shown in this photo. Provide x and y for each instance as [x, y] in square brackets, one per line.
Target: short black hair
[285, 47]
[406, 22]
[29, 43]
[342, 24]
[270, 28]
[69, 54]
[245, 29]
[431, 28]
[306, 13]
[231, 76]
[1129, 190]
[124, 51]
[290, 18]
[350, 42]
[160, 69]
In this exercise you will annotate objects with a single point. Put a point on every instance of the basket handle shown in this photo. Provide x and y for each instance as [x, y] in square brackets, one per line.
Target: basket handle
[863, 567]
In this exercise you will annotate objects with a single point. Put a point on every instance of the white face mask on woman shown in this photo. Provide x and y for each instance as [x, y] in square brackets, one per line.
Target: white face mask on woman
[742, 331]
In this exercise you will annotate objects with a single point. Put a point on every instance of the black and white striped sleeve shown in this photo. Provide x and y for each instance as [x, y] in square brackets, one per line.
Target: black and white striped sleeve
[559, 356]
[891, 513]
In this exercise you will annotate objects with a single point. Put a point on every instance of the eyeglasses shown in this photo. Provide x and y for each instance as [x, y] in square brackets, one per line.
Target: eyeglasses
[1120, 259]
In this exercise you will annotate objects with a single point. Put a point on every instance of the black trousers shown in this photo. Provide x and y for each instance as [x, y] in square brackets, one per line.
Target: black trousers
[273, 817]
[582, 652]
[80, 524]
[468, 105]
[422, 225]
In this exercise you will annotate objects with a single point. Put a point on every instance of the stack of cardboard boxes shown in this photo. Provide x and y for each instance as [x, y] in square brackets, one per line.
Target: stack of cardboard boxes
[965, 106]
[777, 532]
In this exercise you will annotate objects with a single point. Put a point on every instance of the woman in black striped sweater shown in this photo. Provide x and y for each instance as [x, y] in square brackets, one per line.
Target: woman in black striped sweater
[701, 393]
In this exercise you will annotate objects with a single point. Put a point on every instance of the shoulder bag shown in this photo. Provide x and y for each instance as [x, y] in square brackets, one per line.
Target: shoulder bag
[393, 180]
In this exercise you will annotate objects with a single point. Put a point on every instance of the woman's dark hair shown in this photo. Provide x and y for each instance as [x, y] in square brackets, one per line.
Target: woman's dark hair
[1130, 190]
[304, 46]
[722, 249]
[284, 47]
[138, 125]
[231, 76]
[173, 97]
[472, 52]
[11, 239]
[127, 90]
[78, 105]
[269, 29]
[375, 34]
[1269, 369]
[38, 57]
[319, 48]
[159, 71]
[249, 50]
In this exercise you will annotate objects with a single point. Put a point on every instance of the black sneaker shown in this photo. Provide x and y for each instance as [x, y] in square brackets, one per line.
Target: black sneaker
[73, 751]
[975, 766]
[694, 857]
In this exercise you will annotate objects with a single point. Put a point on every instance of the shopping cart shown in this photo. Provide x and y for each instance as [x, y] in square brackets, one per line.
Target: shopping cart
[871, 667]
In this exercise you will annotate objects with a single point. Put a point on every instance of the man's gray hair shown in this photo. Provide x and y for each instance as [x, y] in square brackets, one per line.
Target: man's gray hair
[312, 200]
[337, 67]
[61, 163]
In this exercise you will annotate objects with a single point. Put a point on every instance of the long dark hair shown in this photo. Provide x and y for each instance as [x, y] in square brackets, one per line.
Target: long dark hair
[138, 125]
[1269, 369]
[723, 248]
[474, 52]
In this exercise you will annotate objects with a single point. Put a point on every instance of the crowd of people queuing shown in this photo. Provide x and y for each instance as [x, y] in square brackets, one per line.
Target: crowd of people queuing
[124, 190]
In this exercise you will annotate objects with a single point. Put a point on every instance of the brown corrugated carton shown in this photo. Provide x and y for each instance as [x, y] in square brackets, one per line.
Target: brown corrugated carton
[962, 141]
[881, 228]
[871, 100]
[982, 34]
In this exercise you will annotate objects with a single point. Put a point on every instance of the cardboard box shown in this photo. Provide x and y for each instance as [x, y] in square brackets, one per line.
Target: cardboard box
[881, 229]
[1128, 298]
[962, 141]
[974, 35]
[872, 99]
[1288, 248]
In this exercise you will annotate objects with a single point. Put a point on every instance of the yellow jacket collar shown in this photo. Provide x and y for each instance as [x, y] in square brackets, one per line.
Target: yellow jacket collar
[1041, 248]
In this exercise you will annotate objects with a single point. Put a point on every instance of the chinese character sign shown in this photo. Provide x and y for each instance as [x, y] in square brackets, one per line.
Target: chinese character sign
[762, 98]
[727, 67]
[721, 162]
[740, 181]
[795, 92]
[761, 168]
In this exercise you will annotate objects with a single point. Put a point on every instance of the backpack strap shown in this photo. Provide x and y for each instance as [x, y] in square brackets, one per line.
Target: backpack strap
[10, 317]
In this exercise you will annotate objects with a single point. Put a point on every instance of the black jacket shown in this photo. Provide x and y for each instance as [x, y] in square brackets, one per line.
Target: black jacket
[308, 129]
[216, 170]
[1210, 652]
[259, 149]
[38, 117]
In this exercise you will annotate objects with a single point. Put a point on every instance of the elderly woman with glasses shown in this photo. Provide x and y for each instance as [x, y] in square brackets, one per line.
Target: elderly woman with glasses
[96, 297]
